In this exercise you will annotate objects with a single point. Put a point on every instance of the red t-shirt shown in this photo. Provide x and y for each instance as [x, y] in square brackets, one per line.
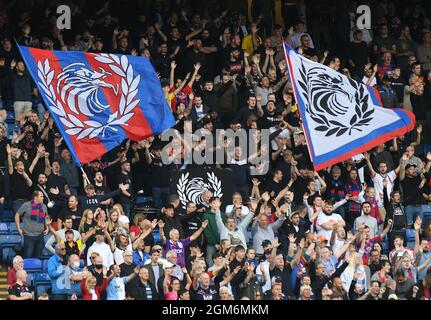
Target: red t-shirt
[11, 277]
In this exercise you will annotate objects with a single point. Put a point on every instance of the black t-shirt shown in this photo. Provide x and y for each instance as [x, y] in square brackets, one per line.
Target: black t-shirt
[159, 174]
[125, 179]
[76, 216]
[274, 188]
[56, 181]
[18, 290]
[205, 294]
[299, 187]
[285, 276]
[91, 239]
[18, 187]
[411, 191]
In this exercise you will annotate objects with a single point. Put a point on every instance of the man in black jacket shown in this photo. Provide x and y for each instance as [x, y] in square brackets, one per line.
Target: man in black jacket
[395, 211]
[141, 288]
[292, 226]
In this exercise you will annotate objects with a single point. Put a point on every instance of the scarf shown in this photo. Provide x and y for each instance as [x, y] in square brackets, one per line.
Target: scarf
[375, 211]
[336, 190]
[37, 212]
[354, 189]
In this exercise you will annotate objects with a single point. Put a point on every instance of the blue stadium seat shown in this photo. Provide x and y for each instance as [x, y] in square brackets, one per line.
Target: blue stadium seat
[8, 216]
[426, 210]
[7, 254]
[4, 229]
[156, 235]
[410, 235]
[33, 265]
[10, 240]
[144, 200]
[41, 289]
[12, 228]
[82, 263]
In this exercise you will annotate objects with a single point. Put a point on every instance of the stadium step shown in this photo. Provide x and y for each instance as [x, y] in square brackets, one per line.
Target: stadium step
[3, 283]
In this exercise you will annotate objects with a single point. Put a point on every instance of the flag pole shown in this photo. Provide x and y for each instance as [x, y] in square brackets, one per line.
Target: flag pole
[88, 181]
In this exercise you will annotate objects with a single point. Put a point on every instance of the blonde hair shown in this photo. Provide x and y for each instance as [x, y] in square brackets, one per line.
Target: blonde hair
[84, 220]
[119, 208]
[90, 278]
[113, 225]
[138, 218]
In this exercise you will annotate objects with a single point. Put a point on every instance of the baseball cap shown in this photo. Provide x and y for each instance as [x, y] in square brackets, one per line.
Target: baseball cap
[100, 232]
[168, 265]
[408, 166]
[293, 213]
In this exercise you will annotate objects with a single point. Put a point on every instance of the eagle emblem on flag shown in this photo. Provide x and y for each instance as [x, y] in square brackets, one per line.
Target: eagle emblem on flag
[340, 116]
[331, 97]
[80, 89]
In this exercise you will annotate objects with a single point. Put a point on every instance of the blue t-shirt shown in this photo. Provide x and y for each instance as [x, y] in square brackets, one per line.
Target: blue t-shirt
[116, 289]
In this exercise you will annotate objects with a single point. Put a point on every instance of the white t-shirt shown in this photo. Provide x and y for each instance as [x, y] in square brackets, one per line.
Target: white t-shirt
[118, 254]
[104, 251]
[322, 219]
[267, 285]
[123, 220]
[378, 182]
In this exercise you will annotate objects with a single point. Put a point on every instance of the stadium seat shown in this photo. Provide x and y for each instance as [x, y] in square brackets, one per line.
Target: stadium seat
[426, 209]
[144, 200]
[12, 228]
[10, 240]
[8, 216]
[41, 289]
[156, 235]
[4, 229]
[410, 235]
[7, 255]
[33, 265]
[82, 263]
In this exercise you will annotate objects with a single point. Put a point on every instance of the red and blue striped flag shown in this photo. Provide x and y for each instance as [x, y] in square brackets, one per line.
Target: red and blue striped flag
[98, 100]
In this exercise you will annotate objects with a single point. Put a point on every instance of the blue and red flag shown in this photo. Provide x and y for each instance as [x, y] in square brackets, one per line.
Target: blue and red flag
[340, 116]
[98, 100]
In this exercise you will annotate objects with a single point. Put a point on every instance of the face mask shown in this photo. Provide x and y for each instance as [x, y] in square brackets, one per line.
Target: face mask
[75, 265]
[99, 266]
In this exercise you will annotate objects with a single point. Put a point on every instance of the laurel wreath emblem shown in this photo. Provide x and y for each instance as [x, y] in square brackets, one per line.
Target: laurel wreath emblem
[92, 128]
[185, 195]
[363, 113]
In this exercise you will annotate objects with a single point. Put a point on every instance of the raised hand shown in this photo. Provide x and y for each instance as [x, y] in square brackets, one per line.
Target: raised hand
[205, 224]
[173, 64]
[275, 243]
[419, 129]
[197, 66]
[54, 191]
[266, 196]
[161, 224]
[418, 223]
[292, 238]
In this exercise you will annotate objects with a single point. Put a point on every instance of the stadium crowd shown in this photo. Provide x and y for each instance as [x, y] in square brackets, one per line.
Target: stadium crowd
[358, 230]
